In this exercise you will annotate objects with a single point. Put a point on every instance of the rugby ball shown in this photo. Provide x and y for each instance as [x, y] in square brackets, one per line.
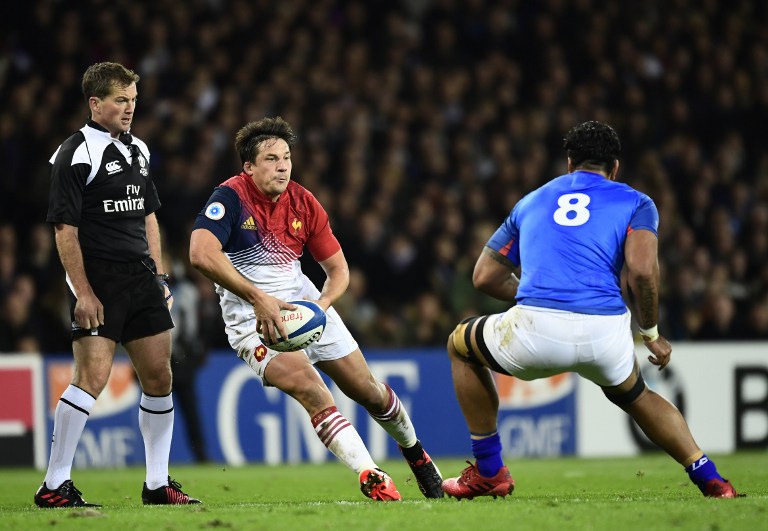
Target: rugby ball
[304, 325]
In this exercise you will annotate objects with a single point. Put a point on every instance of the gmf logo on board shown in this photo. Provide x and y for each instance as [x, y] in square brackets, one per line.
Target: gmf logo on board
[122, 391]
[520, 394]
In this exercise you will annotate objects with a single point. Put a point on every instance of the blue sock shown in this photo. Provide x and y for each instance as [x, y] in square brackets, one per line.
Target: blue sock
[487, 454]
[702, 470]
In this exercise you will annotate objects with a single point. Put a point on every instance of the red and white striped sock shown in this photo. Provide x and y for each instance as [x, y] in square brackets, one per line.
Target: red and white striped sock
[395, 421]
[342, 439]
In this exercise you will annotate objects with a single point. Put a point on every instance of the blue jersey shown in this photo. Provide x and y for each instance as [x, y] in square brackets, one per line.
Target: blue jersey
[568, 237]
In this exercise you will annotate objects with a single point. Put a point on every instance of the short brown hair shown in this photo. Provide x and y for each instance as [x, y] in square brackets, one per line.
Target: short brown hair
[100, 78]
[252, 134]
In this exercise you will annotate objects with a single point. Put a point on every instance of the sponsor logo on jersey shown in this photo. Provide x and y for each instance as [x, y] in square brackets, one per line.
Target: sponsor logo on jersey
[113, 167]
[296, 225]
[215, 211]
[248, 224]
[128, 204]
[143, 163]
[123, 205]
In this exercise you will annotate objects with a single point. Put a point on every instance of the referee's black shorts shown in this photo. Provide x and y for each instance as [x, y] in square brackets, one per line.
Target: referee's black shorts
[132, 296]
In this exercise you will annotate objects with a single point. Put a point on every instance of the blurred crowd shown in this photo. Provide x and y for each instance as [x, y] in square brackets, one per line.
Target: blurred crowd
[421, 123]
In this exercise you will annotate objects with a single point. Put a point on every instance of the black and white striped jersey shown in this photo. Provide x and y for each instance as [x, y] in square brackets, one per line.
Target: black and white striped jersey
[104, 188]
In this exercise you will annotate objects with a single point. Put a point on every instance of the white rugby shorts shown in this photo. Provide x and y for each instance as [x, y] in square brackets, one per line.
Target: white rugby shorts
[532, 342]
[240, 319]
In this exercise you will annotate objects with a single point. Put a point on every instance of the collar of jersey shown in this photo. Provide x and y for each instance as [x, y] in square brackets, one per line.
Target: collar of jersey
[101, 129]
[590, 173]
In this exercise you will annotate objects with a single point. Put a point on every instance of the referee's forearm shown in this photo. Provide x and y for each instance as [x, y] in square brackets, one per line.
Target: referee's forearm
[71, 255]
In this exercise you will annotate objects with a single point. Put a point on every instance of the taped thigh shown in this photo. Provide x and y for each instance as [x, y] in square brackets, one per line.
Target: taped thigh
[627, 397]
[469, 343]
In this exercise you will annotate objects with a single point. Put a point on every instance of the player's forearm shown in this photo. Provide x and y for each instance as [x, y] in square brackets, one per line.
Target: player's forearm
[216, 266]
[333, 288]
[645, 288]
[207, 256]
[336, 279]
[493, 276]
[71, 255]
[641, 258]
[505, 290]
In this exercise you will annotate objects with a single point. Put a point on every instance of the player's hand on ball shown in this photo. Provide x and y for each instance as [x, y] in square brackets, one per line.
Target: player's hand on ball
[304, 325]
[268, 322]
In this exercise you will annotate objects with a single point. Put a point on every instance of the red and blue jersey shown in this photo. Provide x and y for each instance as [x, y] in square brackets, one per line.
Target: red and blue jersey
[568, 237]
[264, 239]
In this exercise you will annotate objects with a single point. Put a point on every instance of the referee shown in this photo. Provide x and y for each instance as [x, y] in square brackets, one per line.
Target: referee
[102, 204]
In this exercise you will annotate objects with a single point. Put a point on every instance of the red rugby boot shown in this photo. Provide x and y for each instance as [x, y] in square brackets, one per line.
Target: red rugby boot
[471, 484]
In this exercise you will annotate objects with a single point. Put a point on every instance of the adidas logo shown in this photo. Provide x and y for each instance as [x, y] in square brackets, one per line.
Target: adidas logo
[248, 224]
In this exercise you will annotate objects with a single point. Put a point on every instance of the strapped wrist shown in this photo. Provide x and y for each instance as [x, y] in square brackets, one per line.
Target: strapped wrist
[650, 334]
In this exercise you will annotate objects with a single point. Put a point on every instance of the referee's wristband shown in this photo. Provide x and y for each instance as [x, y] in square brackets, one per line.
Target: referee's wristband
[164, 277]
[170, 293]
[650, 334]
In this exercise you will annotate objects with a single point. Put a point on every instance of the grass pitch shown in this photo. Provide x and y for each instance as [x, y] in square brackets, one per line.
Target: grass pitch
[649, 492]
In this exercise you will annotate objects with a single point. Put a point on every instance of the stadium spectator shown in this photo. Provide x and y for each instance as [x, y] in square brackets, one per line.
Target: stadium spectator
[357, 306]
[758, 320]
[8, 258]
[429, 98]
[18, 333]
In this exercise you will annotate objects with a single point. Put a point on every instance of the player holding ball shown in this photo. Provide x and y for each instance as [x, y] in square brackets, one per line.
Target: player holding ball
[248, 239]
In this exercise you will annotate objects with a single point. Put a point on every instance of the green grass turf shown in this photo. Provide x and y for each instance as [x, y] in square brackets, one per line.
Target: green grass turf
[648, 492]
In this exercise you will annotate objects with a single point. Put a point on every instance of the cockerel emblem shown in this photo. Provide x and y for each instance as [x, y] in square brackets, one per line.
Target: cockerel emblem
[296, 225]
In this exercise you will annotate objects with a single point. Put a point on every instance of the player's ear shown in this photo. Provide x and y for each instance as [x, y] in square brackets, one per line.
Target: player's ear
[247, 168]
[615, 170]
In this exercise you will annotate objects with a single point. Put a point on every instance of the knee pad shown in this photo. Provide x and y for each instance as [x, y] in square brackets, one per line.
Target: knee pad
[627, 397]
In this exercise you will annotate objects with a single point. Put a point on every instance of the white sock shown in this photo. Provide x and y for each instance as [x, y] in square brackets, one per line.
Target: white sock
[156, 425]
[68, 423]
[342, 439]
[395, 421]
